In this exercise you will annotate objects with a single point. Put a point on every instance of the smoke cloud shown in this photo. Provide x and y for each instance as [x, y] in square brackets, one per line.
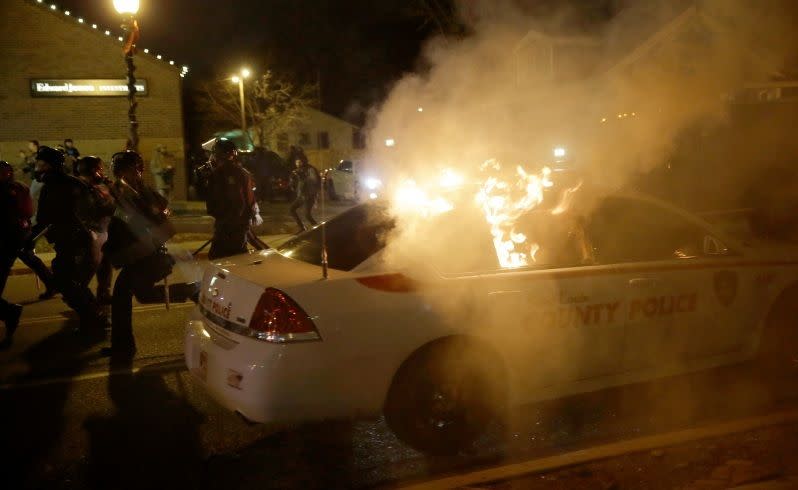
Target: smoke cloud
[618, 99]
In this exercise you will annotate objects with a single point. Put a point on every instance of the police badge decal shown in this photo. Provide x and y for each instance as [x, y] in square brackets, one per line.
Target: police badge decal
[725, 283]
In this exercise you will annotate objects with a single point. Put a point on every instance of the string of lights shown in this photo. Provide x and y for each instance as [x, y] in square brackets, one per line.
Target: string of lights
[80, 20]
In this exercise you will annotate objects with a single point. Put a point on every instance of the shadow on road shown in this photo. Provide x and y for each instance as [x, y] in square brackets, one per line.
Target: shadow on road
[151, 441]
[311, 456]
[34, 418]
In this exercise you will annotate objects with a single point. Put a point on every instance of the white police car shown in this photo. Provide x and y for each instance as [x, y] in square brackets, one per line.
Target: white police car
[642, 290]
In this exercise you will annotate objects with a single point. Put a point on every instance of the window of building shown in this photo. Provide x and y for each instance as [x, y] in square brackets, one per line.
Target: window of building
[324, 140]
[358, 139]
[304, 139]
[282, 142]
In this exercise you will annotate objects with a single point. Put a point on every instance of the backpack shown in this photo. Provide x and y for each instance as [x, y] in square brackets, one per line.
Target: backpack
[23, 200]
[20, 203]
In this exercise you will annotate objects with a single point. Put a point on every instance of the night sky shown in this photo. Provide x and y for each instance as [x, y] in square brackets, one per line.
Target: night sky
[356, 48]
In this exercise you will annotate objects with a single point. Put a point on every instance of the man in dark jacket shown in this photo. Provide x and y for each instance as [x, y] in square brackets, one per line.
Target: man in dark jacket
[62, 201]
[16, 208]
[307, 182]
[90, 170]
[230, 199]
[137, 234]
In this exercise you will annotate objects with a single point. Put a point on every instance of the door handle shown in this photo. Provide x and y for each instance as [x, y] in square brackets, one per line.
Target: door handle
[643, 282]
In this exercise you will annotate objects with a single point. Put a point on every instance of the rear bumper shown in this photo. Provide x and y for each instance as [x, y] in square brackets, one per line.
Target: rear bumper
[264, 382]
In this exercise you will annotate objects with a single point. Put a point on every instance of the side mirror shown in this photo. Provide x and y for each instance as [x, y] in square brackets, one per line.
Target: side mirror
[713, 246]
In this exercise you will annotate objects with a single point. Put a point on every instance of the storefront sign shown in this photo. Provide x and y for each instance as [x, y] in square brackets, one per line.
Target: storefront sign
[85, 88]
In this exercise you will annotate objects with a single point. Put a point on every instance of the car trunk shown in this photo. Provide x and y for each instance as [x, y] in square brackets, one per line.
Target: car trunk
[232, 287]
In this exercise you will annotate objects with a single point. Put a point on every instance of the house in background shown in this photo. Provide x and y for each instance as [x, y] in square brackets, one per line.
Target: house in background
[325, 139]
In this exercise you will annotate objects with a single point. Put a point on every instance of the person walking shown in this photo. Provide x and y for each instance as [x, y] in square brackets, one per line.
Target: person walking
[61, 218]
[307, 181]
[70, 149]
[230, 199]
[17, 209]
[91, 171]
[137, 234]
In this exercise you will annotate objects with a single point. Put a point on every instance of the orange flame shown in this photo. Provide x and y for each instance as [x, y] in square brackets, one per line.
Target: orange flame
[504, 201]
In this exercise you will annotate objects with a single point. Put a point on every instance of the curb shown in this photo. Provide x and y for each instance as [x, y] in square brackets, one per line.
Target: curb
[24, 271]
[606, 451]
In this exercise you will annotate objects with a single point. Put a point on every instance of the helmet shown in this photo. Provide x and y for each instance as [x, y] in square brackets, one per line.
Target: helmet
[51, 156]
[87, 166]
[125, 160]
[225, 148]
[6, 171]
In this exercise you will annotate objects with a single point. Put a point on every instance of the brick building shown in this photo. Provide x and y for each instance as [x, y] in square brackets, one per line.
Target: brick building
[43, 50]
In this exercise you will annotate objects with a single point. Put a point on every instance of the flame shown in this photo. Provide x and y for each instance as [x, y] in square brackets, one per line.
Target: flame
[566, 200]
[409, 197]
[449, 179]
[504, 200]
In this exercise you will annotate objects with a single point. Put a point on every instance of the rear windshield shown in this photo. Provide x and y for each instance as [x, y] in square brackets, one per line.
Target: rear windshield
[352, 237]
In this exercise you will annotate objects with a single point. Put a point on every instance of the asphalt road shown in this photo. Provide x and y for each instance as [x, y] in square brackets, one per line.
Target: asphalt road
[72, 420]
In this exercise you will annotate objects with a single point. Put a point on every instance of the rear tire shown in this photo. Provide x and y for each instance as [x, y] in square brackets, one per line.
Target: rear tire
[445, 396]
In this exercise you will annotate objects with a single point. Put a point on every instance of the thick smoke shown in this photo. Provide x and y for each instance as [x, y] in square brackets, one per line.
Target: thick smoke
[619, 100]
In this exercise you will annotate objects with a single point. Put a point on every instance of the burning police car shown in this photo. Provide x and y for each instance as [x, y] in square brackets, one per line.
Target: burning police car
[443, 339]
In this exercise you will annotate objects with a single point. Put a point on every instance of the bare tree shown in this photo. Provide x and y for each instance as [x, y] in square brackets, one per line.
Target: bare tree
[273, 106]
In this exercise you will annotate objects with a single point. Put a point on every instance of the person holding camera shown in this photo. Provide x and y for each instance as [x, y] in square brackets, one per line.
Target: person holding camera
[136, 237]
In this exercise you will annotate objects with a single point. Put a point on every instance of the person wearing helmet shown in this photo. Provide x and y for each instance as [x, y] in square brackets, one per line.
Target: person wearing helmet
[230, 199]
[59, 217]
[102, 206]
[137, 234]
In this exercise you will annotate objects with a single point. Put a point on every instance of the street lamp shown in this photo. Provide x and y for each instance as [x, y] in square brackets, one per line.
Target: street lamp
[128, 9]
[239, 79]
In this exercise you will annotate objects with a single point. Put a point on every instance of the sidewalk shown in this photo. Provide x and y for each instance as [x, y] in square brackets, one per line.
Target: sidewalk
[189, 246]
[180, 208]
[761, 458]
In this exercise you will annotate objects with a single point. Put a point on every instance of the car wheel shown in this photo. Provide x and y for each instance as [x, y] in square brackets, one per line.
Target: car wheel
[445, 396]
[778, 349]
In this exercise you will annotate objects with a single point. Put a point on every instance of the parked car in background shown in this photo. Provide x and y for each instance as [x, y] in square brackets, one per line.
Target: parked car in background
[352, 181]
[271, 173]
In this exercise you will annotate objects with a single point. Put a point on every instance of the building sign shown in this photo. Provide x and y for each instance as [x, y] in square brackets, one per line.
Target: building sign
[84, 88]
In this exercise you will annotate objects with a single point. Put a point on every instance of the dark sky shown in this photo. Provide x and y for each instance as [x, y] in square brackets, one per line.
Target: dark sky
[356, 47]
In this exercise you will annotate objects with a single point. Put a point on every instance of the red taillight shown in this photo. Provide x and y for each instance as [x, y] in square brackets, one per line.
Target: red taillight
[277, 318]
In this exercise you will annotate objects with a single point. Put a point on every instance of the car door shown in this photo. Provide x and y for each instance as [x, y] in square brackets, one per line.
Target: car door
[673, 316]
[627, 235]
[558, 320]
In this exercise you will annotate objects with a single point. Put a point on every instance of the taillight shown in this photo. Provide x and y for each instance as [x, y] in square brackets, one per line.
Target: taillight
[277, 318]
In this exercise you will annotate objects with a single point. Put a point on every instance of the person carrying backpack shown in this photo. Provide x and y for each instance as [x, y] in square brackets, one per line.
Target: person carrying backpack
[62, 201]
[137, 236]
